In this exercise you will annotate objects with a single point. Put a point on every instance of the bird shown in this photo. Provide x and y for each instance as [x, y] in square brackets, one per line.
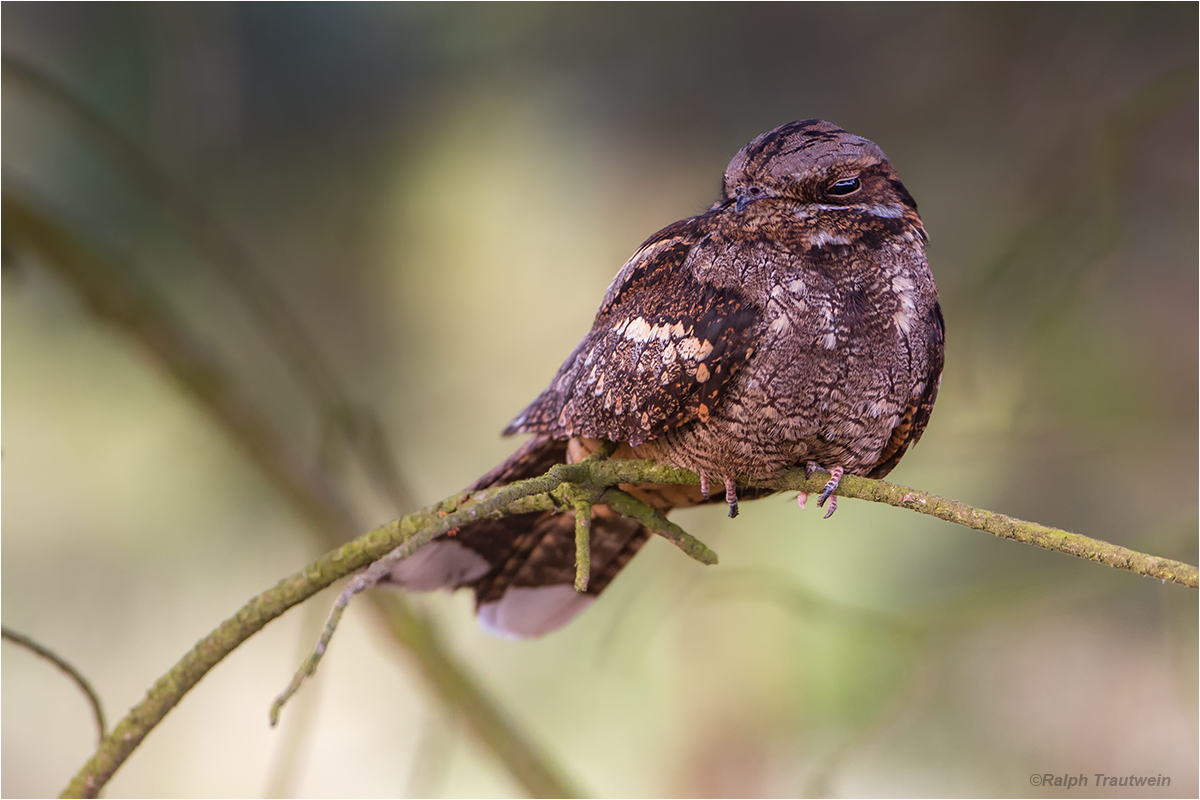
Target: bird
[795, 323]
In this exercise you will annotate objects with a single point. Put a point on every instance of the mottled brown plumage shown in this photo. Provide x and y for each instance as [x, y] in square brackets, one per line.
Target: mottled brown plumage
[794, 323]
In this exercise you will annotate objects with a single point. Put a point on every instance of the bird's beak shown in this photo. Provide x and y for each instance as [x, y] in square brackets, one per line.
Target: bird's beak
[745, 198]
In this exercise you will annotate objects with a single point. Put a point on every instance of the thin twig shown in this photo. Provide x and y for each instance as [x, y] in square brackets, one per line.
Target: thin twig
[625, 503]
[285, 765]
[115, 297]
[360, 583]
[309, 667]
[583, 547]
[93, 699]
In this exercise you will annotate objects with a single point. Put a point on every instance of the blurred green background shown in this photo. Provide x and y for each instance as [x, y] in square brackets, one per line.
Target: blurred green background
[440, 194]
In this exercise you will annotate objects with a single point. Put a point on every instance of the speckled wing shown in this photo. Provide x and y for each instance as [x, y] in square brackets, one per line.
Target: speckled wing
[916, 416]
[664, 345]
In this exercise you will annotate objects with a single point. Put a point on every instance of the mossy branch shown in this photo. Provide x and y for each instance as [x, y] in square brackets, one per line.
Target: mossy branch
[359, 554]
[533, 494]
[1060, 541]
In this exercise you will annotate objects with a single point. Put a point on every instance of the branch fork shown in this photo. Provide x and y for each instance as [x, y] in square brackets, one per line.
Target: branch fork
[593, 481]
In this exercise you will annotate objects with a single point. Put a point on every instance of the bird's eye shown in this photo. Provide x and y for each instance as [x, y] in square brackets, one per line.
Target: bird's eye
[843, 187]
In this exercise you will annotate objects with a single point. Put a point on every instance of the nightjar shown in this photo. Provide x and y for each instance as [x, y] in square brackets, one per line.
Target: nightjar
[795, 323]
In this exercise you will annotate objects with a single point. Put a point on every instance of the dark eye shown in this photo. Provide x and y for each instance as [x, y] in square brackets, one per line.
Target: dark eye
[843, 187]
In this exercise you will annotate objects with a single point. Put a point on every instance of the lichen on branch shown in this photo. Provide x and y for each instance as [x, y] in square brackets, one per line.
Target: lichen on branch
[596, 475]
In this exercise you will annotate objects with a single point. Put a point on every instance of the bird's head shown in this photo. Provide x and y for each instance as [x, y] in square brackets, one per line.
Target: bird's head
[821, 167]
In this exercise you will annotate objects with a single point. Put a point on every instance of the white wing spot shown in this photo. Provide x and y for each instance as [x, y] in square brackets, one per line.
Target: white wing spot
[638, 330]
[689, 347]
[694, 349]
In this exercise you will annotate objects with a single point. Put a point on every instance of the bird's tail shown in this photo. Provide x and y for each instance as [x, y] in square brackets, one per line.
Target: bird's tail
[522, 567]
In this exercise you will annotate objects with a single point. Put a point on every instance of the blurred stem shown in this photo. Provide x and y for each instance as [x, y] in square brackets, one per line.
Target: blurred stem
[49, 655]
[432, 758]
[918, 694]
[1113, 153]
[361, 429]
[112, 296]
[1094, 219]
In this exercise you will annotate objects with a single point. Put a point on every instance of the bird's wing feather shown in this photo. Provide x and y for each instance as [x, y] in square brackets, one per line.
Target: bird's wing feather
[912, 424]
[664, 345]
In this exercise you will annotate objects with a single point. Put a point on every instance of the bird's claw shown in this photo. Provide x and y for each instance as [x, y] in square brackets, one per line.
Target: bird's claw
[832, 507]
[835, 476]
[731, 497]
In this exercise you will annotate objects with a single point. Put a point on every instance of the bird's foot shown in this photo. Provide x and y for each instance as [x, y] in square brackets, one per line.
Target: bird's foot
[810, 468]
[704, 485]
[835, 476]
[731, 497]
[802, 499]
[832, 507]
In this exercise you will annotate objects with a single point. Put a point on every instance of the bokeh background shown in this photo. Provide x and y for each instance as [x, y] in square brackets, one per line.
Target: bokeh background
[439, 195]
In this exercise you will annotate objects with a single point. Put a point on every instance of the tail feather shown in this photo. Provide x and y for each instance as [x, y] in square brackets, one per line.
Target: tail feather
[533, 593]
[522, 568]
